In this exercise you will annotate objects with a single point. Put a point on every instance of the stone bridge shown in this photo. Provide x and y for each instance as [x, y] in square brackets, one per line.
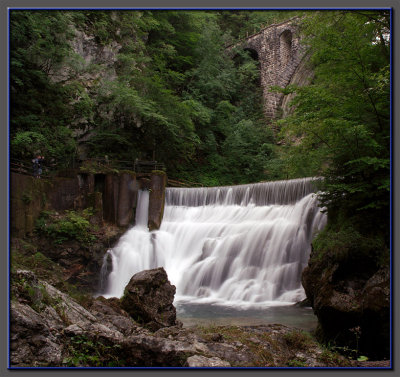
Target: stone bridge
[277, 48]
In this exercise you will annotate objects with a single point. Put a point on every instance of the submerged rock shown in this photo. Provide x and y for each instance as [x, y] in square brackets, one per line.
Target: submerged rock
[148, 298]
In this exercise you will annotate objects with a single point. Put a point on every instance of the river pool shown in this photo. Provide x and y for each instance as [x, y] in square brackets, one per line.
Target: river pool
[192, 314]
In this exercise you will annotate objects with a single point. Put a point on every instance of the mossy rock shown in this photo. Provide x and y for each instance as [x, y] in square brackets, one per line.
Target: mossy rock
[130, 172]
[158, 172]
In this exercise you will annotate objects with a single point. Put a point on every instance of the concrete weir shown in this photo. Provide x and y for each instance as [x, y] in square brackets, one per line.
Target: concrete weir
[127, 197]
[112, 196]
[158, 181]
[120, 197]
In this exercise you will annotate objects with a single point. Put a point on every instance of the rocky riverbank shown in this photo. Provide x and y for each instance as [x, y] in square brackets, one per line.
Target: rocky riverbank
[56, 321]
[49, 328]
[351, 298]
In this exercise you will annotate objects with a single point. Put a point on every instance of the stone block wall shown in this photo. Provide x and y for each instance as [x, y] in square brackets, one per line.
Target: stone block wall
[113, 198]
[29, 196]
[279, 53]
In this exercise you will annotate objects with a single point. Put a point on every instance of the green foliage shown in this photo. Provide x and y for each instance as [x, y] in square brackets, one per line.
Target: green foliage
[264, 357]
[26, 257]
[340, 127]
[27, 198]
[35, 295]
[177, 96]
[343, 242]
[87, 352]
[70, 226]
[158, 172]
[40, 113]
[239, 23]
[332, 358]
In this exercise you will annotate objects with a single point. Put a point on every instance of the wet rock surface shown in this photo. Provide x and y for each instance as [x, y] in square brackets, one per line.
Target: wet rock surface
[49, 328]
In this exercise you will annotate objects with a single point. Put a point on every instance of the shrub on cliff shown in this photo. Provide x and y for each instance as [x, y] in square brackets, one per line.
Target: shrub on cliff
[342, 242]
[70, 226]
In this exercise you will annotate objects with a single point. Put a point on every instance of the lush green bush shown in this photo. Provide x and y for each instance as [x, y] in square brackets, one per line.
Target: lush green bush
[70, 226]
[342, 242]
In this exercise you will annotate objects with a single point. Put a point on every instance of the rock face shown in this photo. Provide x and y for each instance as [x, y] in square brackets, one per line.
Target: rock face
[302, 76]
[201, 361]
[148, 298]
[352, 303]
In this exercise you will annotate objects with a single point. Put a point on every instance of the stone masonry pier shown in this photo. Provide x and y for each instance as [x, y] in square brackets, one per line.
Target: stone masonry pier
[279, 53]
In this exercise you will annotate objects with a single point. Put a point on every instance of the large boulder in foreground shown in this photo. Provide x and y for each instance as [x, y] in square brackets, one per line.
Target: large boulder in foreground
[352, 304]
[148, 298]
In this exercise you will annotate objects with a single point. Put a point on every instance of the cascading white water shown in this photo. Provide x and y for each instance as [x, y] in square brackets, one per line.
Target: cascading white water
[132, 251]
[239, 245]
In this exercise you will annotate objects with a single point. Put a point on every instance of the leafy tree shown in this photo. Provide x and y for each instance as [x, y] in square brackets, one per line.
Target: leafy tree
[341, 126]
[39, 117]
[176, 96]
[239, 23]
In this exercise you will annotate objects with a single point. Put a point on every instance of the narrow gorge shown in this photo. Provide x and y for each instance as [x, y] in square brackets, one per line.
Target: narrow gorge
[200, 188]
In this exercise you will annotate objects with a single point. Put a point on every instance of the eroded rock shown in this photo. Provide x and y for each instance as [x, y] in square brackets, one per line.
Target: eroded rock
[32, 340]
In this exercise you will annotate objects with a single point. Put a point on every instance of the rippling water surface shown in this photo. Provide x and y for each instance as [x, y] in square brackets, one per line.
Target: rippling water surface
[208, 314]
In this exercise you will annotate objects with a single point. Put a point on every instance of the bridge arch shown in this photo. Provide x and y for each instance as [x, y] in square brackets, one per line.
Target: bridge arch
[279, 52]
[285, 47]
[252, 52]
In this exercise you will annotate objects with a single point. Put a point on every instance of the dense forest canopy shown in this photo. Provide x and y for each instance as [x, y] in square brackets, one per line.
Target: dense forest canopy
[170, 92]
[175, 95]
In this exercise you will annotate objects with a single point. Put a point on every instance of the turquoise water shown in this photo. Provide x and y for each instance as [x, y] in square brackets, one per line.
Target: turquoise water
[208, 314]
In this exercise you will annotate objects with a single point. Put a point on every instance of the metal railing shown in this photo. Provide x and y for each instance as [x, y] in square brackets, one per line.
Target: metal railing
[51, 168]
[137, 166]
[26, 167]
[140, 167]
[148, 166]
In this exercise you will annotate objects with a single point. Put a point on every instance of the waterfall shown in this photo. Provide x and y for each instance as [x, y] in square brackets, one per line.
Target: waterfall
[132, 252]
[238, 245]
[142, 211]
